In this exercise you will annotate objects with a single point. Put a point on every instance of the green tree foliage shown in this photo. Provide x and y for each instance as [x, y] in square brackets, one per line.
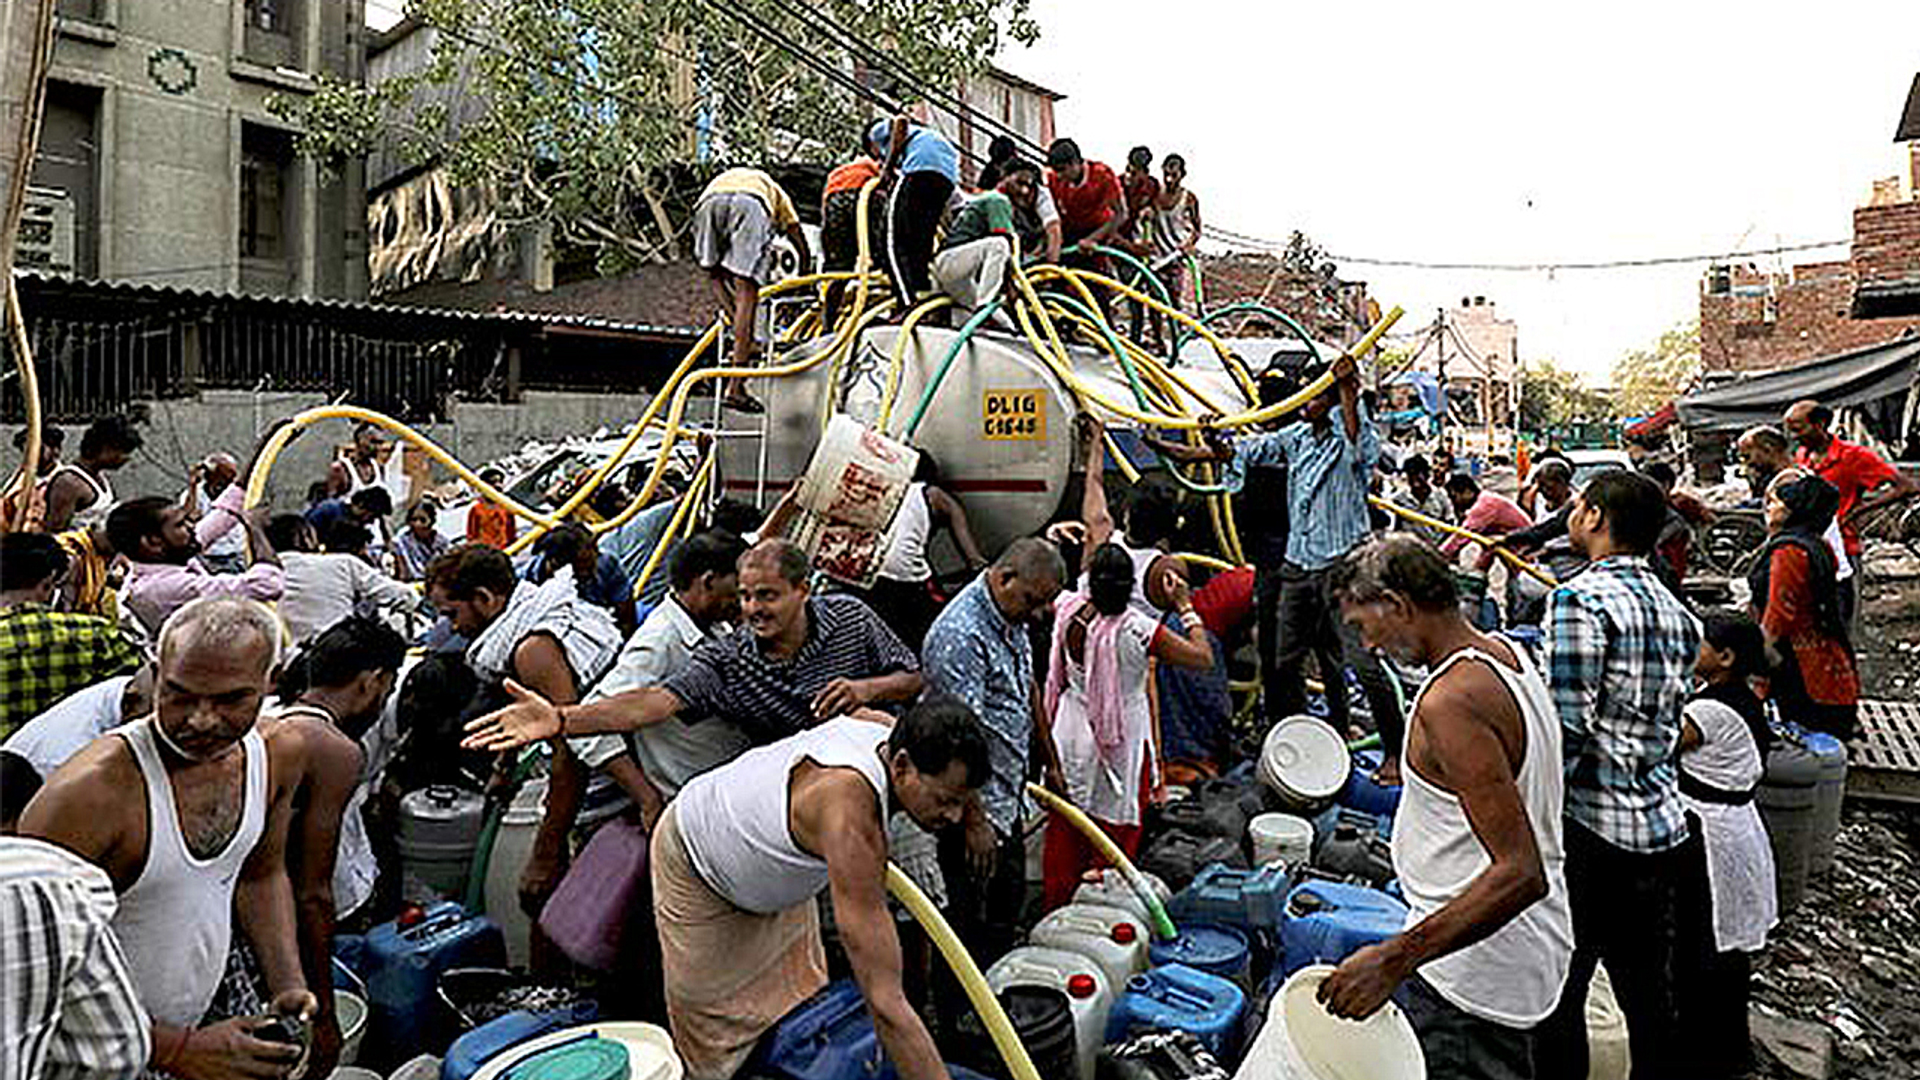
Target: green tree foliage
[1552, 397]
[1647, 378]
[585, 114]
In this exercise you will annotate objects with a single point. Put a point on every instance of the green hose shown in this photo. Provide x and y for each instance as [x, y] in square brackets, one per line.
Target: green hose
[1153, 280]
[1250, 307]
[946, 364]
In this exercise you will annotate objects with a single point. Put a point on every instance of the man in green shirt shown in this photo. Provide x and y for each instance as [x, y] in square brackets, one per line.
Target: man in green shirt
[971, 266]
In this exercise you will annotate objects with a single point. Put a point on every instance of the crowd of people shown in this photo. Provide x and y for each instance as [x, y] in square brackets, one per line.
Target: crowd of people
[765, 736]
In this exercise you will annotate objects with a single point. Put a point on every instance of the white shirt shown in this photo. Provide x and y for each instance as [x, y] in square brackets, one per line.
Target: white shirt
[323, 589]
[1740, 871]
[671, 752]
[65, 729]
[228, 542]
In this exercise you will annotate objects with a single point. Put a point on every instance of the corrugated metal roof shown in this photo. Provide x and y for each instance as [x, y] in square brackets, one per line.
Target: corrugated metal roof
[540, 319]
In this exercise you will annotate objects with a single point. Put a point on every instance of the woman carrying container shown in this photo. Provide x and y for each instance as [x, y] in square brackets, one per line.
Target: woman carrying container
[1723, 741]
[1796, 601]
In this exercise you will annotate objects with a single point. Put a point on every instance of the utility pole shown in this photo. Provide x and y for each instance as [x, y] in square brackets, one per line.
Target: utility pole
[1440, 368]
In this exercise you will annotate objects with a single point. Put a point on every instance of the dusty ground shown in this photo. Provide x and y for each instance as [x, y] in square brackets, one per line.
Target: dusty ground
[1849, 957]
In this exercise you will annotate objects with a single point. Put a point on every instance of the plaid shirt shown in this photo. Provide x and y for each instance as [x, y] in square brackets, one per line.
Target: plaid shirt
[1620, 655]
[71, 1010]
[46, 655]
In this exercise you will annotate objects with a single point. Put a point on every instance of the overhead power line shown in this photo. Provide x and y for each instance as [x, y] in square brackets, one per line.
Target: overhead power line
[1242, 239]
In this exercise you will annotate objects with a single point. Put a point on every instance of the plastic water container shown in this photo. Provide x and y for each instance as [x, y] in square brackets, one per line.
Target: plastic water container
[1203, 816]
[404, 960]
[1328, 921]
[1217, 950]
[512, 846]
[439, 826]
[1228, 896]
[351, 1010]
[1828, 793]
[1078, 979]
[1356, 849]
[1044, 1022]
[1285, 838]
[627, 1049]
[1303, 1041]
[477, 1047]
[1608, 1054]
[1113, 938]
[1179, 998]
[424, 1067]
[1362, 793]
[1304, 761]
[1178, 857]
[353, 1072]
[829, 1036]
[1788, 797]
[1110, 889]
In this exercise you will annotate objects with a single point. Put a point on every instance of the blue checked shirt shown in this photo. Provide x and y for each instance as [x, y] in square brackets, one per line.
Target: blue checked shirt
[1326, 484]
[973, 653]
[1620, 655]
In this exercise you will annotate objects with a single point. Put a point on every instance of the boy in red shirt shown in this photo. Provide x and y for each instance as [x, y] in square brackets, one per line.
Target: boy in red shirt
[488, 522]
[1093, 209]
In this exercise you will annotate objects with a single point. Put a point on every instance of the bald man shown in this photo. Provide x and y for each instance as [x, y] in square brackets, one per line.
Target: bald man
[225, 553]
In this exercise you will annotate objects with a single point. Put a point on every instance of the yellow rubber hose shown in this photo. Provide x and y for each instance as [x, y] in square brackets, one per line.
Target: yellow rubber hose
[30, 393]
[1419, 518]
[898, 362]
[1005, 1039]
[1161, 925]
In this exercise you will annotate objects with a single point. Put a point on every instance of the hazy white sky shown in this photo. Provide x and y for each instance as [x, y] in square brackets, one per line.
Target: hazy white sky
[1482, 131]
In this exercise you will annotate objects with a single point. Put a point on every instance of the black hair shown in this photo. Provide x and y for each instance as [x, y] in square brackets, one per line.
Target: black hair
[1737, 633]
[364, 427]
[374, 500]
[346, 537]
[1416, 463]
[340, 654]
[317, 493]
[135, 520]
[1002, 149]
[737, 517]
[29, 558]
[1018, 165]
[1277, 384]
[1661, 473]
[938, 731]
[927, 469]
[425, 504]
[1820, 414]
[1633, 507]
[434, 700]
[110, 433]
[464, 571]
[1110, 579]
[1152, 513]
[19, 782]
[1140, 156]
[1463, 483]
[562, 545]
[284, 532]
[609, 499]
[492, 476]
[1063, 152]
[785, 557]
[715, 551]
[49, 436]
[1173, 159]
[1399, 563]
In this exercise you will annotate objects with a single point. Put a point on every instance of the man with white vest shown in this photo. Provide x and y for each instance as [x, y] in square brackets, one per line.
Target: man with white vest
[1477, 840]
[742, 855]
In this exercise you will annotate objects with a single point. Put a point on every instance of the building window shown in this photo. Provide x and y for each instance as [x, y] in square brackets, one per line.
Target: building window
[87, 10]
[264, 160]
[274, 15]
[271, 28]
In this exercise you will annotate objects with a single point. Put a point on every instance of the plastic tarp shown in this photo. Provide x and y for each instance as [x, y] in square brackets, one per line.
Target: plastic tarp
[1875, 379]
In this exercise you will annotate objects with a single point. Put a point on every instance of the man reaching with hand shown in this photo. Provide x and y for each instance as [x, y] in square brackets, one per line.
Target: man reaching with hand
[796, 660]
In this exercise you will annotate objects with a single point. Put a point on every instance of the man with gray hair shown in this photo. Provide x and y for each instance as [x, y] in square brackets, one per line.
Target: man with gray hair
[1477, 842]
[202, 843]
[979, 652]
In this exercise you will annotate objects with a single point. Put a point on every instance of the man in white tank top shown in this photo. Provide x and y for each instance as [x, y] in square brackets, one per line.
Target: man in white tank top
[184, 811]
[1477, 840]
[741, 856]
[80, 495]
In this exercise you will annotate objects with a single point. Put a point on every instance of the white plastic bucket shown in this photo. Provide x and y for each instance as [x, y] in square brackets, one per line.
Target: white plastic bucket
[512, 846]
[1280, 838]
[1303, 1041]
[354, 1072]
[1607, 1051]
[1304, 761]
[1111, 937]
[1076, 976]
[424, 1067]
[848, 497]
[351, 1010]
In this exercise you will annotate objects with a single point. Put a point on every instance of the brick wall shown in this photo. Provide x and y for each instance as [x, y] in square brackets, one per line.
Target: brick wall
[1338, 314]
[1753, 320]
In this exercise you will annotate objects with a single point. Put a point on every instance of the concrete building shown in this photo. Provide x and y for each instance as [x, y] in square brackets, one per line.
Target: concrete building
[160, 163]
[1475, 353]
[1024, 107]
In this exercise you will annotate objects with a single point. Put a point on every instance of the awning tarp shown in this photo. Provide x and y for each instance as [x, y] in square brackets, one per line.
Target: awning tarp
[1875, 379]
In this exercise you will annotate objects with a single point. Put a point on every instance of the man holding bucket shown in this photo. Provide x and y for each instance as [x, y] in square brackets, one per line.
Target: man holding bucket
[1477, 840]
